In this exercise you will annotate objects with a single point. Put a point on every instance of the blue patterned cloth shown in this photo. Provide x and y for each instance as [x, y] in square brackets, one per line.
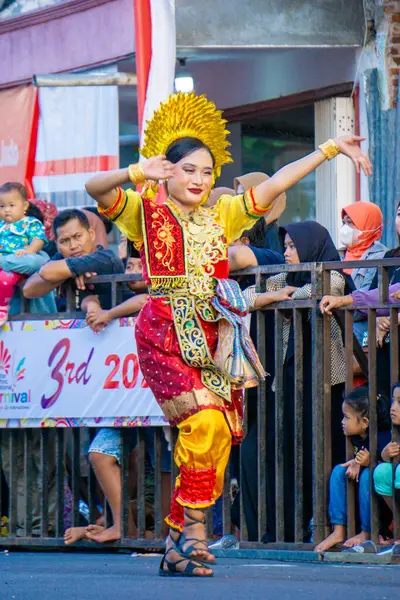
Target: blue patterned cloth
[15, 236]
[235, 354]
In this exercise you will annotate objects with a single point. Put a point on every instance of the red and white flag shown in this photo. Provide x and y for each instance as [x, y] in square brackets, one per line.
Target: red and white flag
[155, 55]
[78, 136]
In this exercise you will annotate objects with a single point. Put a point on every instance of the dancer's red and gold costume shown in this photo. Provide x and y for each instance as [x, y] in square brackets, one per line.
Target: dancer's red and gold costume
[182, 340]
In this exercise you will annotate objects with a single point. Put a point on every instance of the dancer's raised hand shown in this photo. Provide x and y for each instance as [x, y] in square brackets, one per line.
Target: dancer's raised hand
[349, 145]
[157, 167]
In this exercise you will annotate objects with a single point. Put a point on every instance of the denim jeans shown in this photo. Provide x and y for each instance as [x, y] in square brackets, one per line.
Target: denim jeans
[338, 497]
[108, 441]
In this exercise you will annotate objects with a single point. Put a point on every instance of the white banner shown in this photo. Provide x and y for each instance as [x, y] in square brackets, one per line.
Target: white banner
[78, 136]
[55, 373]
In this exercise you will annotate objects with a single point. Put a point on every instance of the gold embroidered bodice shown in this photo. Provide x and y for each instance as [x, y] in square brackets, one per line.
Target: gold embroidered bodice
[204, 247]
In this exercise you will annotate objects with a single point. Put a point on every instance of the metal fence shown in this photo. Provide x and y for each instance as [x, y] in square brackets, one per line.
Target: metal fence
[37, 464]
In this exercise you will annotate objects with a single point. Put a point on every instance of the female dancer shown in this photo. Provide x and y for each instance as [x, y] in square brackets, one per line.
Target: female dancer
[193, 349]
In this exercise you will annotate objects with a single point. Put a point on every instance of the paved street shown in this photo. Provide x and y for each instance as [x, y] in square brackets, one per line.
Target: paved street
[45, 576]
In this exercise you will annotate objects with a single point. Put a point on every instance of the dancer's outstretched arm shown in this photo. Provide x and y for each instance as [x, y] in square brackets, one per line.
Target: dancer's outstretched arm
[103, 187]
[289, 175]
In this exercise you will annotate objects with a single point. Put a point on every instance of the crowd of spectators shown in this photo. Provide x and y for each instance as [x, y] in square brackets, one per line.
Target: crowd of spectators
[44, 253]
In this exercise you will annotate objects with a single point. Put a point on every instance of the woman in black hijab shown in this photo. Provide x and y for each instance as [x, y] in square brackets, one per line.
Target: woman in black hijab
[313, 243]
[305, 242]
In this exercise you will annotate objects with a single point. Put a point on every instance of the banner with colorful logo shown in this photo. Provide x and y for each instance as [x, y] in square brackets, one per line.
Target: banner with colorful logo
[59, 373]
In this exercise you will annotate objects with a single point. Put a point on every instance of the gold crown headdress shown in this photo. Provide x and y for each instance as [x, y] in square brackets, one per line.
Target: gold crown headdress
[187, 115]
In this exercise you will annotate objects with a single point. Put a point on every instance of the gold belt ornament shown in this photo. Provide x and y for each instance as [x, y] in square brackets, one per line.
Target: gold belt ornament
[193, 342]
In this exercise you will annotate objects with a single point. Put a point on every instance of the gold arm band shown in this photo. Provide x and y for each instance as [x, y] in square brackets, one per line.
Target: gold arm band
[136, 174]
[330, 149]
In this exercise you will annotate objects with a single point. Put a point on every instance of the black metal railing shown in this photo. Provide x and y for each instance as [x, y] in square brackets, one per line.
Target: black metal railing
[37, 463]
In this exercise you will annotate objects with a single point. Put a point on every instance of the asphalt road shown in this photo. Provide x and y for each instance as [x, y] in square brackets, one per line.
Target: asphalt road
[45, 576]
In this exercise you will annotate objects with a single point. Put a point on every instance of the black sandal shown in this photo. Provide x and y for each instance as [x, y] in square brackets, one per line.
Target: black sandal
[192, 548]
[172, 571]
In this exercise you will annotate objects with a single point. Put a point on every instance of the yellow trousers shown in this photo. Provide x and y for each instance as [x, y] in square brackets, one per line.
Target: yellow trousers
[202, 453]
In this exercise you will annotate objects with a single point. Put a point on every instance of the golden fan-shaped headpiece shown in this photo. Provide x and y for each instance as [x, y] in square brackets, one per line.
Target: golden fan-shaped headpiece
[187, 115]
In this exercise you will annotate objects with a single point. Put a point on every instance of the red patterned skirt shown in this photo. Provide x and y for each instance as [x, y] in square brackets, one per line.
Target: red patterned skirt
[178, 387]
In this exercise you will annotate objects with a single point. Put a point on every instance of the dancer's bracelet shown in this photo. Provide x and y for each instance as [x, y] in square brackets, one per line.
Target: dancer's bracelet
[330, 149]
[136, 174]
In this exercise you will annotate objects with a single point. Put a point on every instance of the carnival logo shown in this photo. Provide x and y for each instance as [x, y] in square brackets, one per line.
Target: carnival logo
[9, 154]
[5, 359]
[9, 379]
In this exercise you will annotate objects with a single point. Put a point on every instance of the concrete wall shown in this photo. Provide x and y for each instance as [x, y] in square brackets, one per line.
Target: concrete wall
[269, 22]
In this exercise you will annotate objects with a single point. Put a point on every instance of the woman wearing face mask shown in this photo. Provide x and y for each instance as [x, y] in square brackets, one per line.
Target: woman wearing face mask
[360, 235]
[369, 298]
